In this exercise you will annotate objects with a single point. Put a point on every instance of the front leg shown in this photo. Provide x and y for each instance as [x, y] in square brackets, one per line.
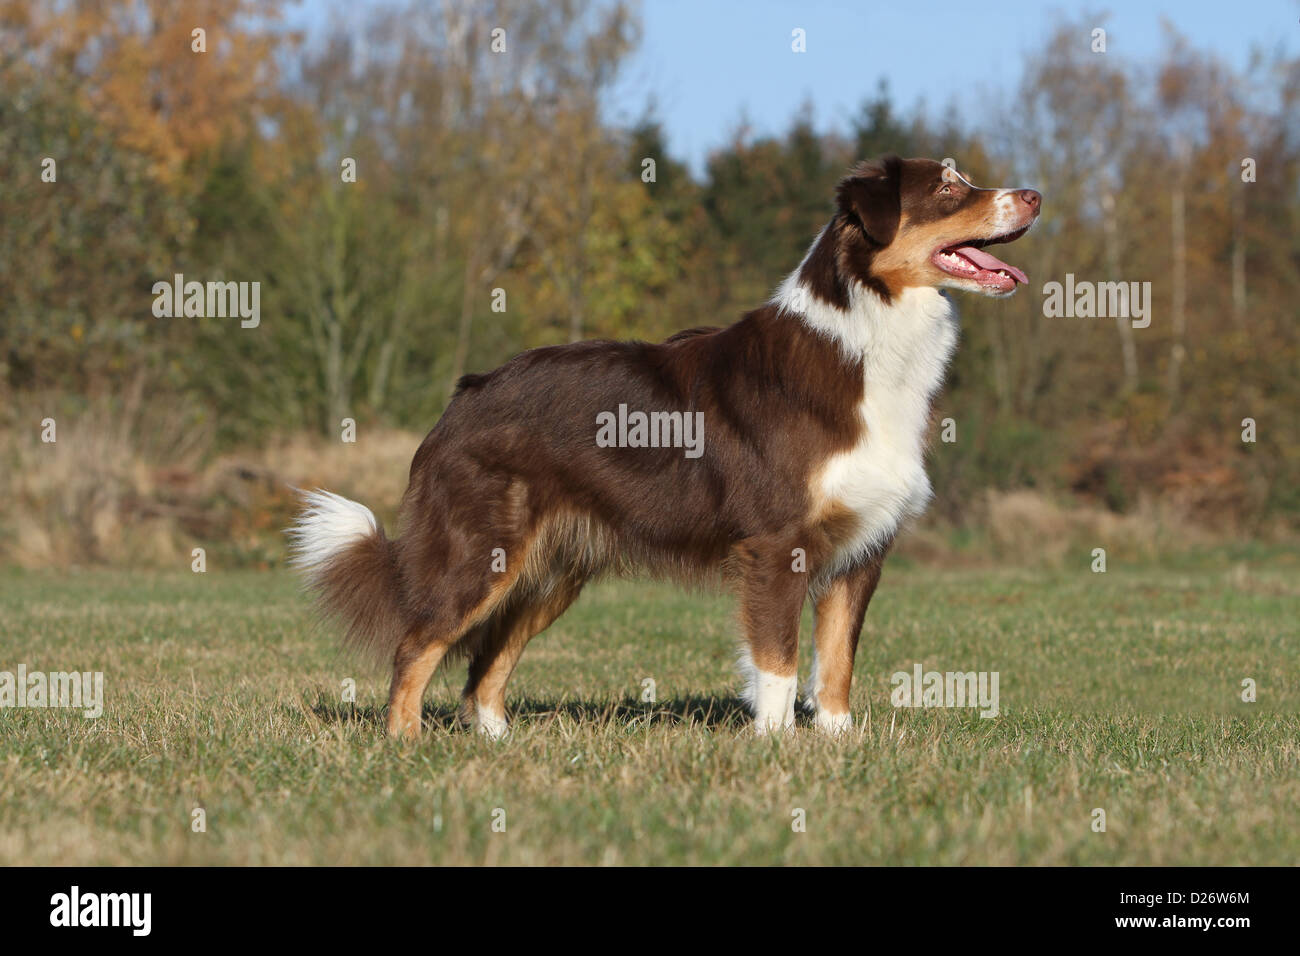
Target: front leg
[840, 609]
[771, 600]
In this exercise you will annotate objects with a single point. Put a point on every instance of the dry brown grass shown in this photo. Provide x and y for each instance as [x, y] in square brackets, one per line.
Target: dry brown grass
[80, 499]
[129, 485]
[1028, 527]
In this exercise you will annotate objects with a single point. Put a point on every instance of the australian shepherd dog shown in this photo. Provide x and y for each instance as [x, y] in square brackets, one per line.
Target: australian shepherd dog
[778, 455]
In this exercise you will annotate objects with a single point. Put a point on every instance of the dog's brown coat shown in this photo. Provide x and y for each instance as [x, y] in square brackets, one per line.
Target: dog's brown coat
[513, 465]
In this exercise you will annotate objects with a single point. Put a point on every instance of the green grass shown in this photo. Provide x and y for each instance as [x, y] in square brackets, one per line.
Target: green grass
[1119, 691]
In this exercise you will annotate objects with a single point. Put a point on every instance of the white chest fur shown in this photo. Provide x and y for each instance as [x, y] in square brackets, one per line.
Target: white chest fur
[905, 347]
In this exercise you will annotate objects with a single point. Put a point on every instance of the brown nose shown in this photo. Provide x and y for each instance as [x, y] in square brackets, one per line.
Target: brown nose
[1031, 198]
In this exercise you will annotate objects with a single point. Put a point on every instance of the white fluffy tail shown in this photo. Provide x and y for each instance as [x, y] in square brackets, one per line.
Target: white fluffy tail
[327, 526]
[352, 568]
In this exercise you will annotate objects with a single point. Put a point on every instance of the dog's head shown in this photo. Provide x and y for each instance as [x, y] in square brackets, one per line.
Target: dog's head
[925, 224]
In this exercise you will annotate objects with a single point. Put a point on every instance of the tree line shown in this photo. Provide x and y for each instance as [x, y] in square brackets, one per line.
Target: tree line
[435, 187]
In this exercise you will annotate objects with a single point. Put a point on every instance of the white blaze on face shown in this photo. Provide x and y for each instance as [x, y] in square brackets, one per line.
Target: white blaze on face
[1006, 202]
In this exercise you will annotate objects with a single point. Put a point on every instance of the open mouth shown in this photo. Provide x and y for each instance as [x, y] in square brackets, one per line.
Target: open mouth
[968, 260]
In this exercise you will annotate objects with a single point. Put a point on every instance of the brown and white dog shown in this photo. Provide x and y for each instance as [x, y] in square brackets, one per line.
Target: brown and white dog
[814, 409]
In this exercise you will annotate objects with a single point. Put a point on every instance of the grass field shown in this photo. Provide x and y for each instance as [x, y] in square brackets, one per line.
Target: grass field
[1119, 691]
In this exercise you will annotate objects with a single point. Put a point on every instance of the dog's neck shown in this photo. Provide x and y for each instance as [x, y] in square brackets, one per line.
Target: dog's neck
[850, 310]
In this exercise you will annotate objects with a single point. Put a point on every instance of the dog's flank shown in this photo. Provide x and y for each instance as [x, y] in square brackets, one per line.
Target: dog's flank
[816, 407]
[660, 429]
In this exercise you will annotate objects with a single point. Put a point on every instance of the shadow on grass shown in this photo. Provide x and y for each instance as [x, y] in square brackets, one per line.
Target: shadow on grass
[714, 713]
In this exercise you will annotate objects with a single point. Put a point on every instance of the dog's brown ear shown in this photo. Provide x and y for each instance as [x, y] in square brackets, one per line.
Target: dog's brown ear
[870, 193]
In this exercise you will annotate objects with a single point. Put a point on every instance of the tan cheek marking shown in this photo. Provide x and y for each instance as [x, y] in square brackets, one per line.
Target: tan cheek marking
[906, 261]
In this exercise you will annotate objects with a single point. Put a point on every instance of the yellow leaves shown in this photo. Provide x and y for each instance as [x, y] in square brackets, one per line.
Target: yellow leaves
[140, 76]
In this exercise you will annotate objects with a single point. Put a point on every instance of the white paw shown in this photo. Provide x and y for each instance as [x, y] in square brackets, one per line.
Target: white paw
[773, 725]
[834, 724]
[489, 724]
[773, 697]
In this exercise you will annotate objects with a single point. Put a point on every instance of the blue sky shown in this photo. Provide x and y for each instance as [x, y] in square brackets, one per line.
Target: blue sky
[707, 63]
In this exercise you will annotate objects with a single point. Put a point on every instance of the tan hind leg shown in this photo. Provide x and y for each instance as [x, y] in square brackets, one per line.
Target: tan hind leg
[424, 647]
[417, 658]
[483, 702]
[839, 613]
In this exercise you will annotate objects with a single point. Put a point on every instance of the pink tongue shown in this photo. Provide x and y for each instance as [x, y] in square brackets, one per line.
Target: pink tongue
[991, 263]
